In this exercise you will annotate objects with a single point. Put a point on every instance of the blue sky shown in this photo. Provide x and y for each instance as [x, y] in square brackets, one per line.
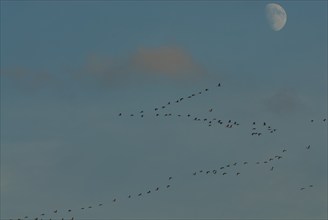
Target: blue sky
[69, 68]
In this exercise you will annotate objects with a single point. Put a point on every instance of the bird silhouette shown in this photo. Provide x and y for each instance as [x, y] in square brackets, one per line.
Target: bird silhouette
[302, 188]
[194, 174]
[210, 110]
[312, 120]
[308, 147]
[235, 164]
[237, 174]
[149, 191]
[219, 84]
[310, 185]
[167, 186]
[221, 168]
[224, 173]
[120, 114]
[114, 200]
[245, 162]
[139, 194]
[157, 189]
[324, 119]
[214, 171]
[207, 172]
[156, 109]
[100, 204]
[55, 211]
[69, 210]
[90, 207]
[271, 169]
[129, 196]
[170, 177]
[284, 150]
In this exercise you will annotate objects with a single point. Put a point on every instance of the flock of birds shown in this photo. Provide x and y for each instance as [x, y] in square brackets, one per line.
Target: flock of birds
[257, 129]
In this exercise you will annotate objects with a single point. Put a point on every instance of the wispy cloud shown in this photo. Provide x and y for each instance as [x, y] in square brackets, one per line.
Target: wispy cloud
[284, 102]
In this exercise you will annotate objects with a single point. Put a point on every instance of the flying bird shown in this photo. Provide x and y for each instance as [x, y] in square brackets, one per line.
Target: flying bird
[308, 147]
[207, 172]
[114, 200]
[157, 189]
[129, 196]
[245, 162]
[194, 174]
[120, 114]
[170, 177]
[237, 174]
[149, 192]
[100, 204]
[224, 173]
[284, 150]
[310, 185]
[271, 169]
[210, 110]
[302, 188]
[69, 210]
[214, 171]
[167, 186]
[139, 194]
[55, 211]
[219, 84]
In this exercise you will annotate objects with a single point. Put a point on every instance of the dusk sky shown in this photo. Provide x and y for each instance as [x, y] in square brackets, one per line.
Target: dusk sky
[69, 68]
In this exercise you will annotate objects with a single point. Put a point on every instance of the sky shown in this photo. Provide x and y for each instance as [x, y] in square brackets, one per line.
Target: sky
[68, 68]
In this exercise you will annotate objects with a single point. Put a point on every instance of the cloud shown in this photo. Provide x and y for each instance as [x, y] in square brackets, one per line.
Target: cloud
[168, 61]
[284, 102]
[27, 79]
[165, 60]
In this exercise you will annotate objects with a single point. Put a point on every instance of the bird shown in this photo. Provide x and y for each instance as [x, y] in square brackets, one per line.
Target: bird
[156, 109]
[214, 171]
[199, 93]
[192, 94]
[169, 103]
[149, 192]
[254, 123]
[114, 200]
[167, 186]
[210, 110]
[55, 211]
[308, 147]
[302, 188]
[82, 208]
[120, 114]
[201, 171]
[131, 115]
[69, 210]
[189, 97]
[245, 162]
[141, 111]
[284, 150]
[279, 157]
[188, 115]
[129, 196]
[264, 124]
[224, 173]
[181, 99]
[157, 189]
[90, 207]
[271, 169]
[235, 164]
[257, 162]
[265, 162]
[170, 177]
[221, 168]
[228, 165]
[157, 114]
[139, 194]
[270, 159]
[310, 185]
[206, 89]
[324, 119]
[259, 134]
[194, 174]
[219, 84]
[312, 120]
[142, 116]
[42, 214]
[207, 172]
[237, 174]
[100, 204]
[163, 106]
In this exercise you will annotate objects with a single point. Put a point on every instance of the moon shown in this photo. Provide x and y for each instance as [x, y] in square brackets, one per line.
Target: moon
[276, 15]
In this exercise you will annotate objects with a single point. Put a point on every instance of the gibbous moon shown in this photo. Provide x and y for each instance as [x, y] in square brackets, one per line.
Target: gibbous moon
[276, 16]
